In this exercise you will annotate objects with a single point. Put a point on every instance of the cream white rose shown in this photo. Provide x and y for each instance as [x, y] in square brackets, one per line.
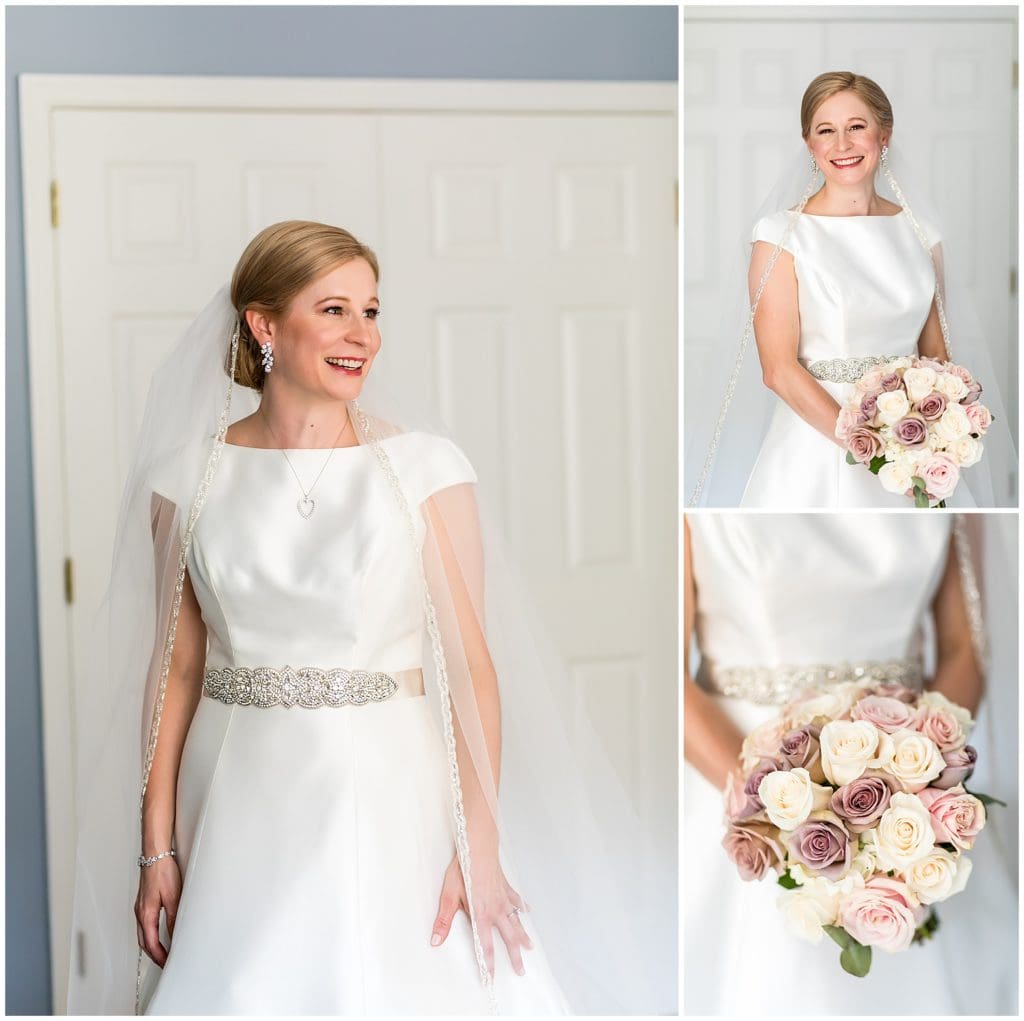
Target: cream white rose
[895, 477]
[954, 423]
[809, 907]
[904, 834]
[762, 743]
[892, 406]
[789, 797]
[916, 760]
[837, 701]
[903, 362]
[865, 862]
[850, 748]
[966, 451]
[919, 383]
[950, 385]
[937, 876]
[936, 700]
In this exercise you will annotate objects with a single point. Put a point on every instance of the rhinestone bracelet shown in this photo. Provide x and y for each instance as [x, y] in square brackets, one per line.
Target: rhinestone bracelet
[145, 862]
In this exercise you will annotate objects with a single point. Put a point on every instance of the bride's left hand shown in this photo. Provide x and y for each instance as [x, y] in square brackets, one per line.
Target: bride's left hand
[495, 904]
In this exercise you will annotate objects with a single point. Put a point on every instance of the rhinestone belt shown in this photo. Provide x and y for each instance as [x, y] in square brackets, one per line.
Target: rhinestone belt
[843, 370]
[767, 685]
[309, 687]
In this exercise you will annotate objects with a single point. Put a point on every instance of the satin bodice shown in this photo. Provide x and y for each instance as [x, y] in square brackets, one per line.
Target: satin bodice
[865, 283]
[814, 588]
[339, 589]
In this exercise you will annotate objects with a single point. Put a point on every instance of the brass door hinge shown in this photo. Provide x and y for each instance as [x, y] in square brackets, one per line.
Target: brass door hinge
[54, 205]
[69, 581]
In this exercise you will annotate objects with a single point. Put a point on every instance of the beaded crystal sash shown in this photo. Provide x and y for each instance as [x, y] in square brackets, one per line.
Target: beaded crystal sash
[309, 687]
[843, 370]
[767, 685]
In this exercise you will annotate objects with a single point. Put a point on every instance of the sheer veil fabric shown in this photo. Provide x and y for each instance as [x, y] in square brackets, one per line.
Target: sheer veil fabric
[569, 838]
[720, 451]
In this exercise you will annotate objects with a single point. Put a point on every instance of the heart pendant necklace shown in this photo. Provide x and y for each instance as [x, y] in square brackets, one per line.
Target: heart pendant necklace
[305, 505]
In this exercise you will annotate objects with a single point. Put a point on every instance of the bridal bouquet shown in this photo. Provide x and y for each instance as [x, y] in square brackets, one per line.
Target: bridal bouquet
[855, 797]
[916, 423]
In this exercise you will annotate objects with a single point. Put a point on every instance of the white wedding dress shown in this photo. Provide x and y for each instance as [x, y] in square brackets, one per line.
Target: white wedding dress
[865, 287]
[313, 841]
[824, 589]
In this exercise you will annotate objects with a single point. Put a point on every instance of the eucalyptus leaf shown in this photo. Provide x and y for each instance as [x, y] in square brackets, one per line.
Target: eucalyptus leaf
[839, 934]
[856, 959]
[850, 459]
[987, 799]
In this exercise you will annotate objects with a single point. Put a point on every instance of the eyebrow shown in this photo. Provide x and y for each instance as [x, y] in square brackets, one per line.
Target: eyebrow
[341, 297]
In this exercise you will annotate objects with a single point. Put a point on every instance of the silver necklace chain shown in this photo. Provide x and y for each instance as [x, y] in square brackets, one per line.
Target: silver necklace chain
[305, 505]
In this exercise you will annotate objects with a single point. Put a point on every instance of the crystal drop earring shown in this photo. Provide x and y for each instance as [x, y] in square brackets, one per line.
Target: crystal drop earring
[268, 356]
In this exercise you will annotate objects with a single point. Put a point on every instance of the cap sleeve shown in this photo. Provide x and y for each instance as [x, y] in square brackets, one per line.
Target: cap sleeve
[427, 464]
[771, 229]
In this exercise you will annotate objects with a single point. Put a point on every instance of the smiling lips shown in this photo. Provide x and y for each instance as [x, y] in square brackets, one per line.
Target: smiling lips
[847, 161]
[350, 366]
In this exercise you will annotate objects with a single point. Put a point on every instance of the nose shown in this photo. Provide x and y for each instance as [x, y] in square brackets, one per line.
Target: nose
[359, 331]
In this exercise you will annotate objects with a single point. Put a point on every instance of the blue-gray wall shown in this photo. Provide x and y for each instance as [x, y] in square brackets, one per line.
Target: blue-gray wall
[569, 43]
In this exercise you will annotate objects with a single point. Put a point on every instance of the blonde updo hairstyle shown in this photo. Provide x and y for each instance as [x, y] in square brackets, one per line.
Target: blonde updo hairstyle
[278, 263]
[825, 86]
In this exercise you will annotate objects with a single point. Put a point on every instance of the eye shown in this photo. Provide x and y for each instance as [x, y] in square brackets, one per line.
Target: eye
[855, 127]
[373, 313]
[824, 131]
[334, 308]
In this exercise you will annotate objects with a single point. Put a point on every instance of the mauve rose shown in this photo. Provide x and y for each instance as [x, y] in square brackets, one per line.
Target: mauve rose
[911, 431]
[957, 817]
[761, 770]
[959, 767]
[940, 476]
[979, 417]
[753, 847]
[822, 845]
[941, 726]
[801, 748]
[891, 381]
[868, 408]
[739, 806]
[973, 393]
[932, 407]
[931, 363]
[882, 914]
[861, 802]
[888, 714]
[864, 444]
[958, 371]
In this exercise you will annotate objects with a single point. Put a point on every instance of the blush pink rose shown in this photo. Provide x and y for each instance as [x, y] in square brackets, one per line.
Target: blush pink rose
[959, 371]
[847, 421]
[871, 380]
[753, 848]
[864, 444]
[739, 806]
[941, 726]
[980, 418]
[957, 817]
[888, 714]
[940, 476]
[935, 366]
[932, 407]
[882, 914]
[892, 689]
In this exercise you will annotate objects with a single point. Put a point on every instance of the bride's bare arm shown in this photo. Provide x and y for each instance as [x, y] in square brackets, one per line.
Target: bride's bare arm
[711, 741]
[777, 332]
[958, 673]
[160, 884]
[930, 344]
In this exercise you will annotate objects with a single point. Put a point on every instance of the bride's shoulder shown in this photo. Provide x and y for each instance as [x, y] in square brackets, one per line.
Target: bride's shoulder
[771, 228]
[428, 462]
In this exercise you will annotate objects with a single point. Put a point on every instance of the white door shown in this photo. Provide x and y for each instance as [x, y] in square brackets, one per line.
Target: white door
[952, 86]
[508, 242]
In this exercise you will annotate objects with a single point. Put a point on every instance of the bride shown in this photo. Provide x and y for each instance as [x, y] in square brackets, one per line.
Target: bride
[333, 686]
[768, 596]
[839, 280]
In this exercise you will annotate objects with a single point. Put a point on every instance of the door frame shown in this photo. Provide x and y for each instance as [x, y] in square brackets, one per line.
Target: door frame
[40, 97]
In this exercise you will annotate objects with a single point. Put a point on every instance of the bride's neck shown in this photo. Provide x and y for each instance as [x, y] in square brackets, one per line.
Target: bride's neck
[857, 200]
[296, 424]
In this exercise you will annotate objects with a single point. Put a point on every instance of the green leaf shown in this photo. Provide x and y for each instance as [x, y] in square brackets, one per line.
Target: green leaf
[856, 959]
[787, 882]
[987, 799]
[920, 494]
[839, 934]
[850, 459]
[941, 503]
[927, 928]
[876, 465]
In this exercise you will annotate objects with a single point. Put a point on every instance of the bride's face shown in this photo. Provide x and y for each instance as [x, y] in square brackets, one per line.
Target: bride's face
[845, 139]
[326, 342]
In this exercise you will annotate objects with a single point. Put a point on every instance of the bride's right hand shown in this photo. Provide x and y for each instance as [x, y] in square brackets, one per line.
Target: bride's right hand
[159, 889]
